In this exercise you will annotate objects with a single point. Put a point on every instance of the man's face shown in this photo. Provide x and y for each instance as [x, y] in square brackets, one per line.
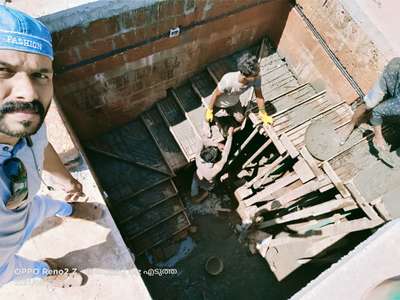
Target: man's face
[26, 90]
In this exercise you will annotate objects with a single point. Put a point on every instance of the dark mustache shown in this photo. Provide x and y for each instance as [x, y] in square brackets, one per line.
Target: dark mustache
[17, 106]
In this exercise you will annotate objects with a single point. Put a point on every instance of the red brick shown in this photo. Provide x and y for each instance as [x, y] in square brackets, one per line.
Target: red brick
[69, 38]
[165, 26]
[178, 8]
[165, 44]
[166, 10]
[126, 20]
[97, 47]
[140, 33]
[110, 63]
[151, 31]
[74, 75]
[139, 17]
[121, 40]
[102, 28]
[68, 57]
[138, 53]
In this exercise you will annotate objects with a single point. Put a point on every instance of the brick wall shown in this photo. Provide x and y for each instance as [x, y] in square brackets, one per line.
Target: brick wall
[349, 39]
[309, 60]
[112, 69]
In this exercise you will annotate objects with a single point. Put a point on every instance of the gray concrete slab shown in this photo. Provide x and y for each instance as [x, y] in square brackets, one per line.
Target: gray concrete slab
[370, 263]
[96, 248]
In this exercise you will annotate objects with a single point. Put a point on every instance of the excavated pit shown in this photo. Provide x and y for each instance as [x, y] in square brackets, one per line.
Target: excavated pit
[135, 103]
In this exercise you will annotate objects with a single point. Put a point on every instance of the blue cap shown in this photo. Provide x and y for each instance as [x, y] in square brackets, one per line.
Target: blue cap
[21, 32]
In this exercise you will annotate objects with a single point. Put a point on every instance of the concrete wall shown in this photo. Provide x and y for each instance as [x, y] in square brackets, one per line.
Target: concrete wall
[356, 274]
[310, 61]
[351, 30]
[98, 91]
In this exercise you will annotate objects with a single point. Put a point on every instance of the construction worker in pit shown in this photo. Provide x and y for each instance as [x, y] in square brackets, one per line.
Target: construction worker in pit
[224, 101]
[383, 101]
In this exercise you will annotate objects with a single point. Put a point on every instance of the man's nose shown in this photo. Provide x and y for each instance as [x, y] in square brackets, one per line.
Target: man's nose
[23, 88]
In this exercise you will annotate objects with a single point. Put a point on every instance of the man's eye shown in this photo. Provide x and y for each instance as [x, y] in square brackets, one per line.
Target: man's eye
[40, 75]
[4, 71]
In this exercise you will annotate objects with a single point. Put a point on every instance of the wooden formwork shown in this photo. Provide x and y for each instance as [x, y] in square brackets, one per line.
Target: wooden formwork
[313, 203]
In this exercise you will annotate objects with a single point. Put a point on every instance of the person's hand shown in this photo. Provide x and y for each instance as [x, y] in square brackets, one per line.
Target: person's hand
[230, 130]
[209, 114]
[73, 189]
[265, 118]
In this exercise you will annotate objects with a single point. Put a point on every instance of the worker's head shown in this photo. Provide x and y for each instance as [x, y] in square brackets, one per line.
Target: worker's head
[248, 66]
[26, 73]
[210, 154]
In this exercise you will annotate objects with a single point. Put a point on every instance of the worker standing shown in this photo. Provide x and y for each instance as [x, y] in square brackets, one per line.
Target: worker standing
[224, 101]
[210, 161]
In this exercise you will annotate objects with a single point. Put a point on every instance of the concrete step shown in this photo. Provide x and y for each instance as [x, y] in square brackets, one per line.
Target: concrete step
[153, 218]
[155, 236]
[191, 104]
[163, 138]
[180, 127]
[139, 203]
[203, 84]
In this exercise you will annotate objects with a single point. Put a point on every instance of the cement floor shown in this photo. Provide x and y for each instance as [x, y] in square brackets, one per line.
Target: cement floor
[96, 248]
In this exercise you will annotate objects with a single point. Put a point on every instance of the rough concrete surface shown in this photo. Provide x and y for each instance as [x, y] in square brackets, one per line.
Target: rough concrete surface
[96, 248]
[38, 8]
[370, 263]
[321, 139]
[379, 19]
[244, 276]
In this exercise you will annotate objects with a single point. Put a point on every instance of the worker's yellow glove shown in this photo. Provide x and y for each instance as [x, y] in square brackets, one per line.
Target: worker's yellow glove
[209, 114]
[264, 117]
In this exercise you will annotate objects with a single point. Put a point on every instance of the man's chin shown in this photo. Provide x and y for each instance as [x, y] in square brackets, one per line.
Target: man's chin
[21, 130]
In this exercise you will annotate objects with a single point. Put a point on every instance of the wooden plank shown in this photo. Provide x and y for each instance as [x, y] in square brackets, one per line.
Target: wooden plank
[335, 179]
[311, 162]
[258, 182]
[247, 141]
[265, 194]
[303, 170]
[289, 197]
[307, 212]
[287, 143]
[362, 203]
[257, 153]
[349, 226]
[380, 206]
[273, 136]
[310, 99]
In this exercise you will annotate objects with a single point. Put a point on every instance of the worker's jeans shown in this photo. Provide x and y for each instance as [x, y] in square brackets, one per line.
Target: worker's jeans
[17, 267]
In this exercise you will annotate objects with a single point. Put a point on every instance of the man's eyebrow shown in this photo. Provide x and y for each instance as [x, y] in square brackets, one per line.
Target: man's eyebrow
[45, 70]
[2, 63]
[42, 70]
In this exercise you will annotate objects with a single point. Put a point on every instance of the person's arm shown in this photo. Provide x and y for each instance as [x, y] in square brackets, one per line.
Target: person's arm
[220, 165]
[210, 108]
[371, 100]
[53, 165]
[261, 107]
